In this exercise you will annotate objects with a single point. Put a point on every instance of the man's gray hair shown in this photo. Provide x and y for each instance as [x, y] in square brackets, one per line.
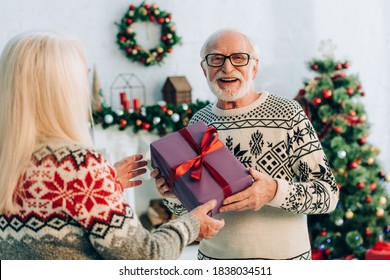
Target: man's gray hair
[214, 36]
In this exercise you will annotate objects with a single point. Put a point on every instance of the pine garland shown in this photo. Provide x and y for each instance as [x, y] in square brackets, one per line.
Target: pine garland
[160, 118]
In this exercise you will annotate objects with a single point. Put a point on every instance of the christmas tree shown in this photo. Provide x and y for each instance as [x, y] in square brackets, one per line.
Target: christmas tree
[331, 99]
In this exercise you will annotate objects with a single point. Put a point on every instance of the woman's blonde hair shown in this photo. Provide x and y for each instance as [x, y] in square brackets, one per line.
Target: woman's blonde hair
[44, 95]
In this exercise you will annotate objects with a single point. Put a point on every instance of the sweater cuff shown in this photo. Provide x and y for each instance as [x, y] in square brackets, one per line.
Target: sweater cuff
[194, 225]
[281, 194]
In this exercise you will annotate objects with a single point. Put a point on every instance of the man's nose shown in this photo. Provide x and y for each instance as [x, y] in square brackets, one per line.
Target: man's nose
[227, 67]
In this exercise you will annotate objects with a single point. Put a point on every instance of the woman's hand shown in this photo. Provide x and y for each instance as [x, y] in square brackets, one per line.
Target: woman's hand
[209, 227]
[129, 168]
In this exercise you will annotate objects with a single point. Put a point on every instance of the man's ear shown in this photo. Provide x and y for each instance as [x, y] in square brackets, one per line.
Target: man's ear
[255, 67]
[203, 68]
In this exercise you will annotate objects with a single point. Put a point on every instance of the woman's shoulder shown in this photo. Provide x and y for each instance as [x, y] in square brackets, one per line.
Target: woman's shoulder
[64, 151]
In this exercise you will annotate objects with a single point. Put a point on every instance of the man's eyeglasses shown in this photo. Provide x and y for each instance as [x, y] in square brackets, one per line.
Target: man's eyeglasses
[236, 59]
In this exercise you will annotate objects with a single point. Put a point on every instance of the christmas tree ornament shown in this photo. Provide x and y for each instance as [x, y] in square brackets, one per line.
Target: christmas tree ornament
[362, 141]
[341, 154]
[161, 103]
[345, 65]
[338, 66]
[314, 67]
[383, 200]
[368, 199]
[368, 231]
[175, 117]
[327, 93]
[156, 120]
[119, 112]
[108, 119]
[349, 214]
[370, 161]
[184, 106]
[122, 123]
[317, 101]
[339, 222]
[375, 150]
[138, 122]
[353, 165]
[360, 185]
[145, 126]
[349, 91]
[338, 129]
[380, 212]
[354, 239]
[372, 186]
[301, 91]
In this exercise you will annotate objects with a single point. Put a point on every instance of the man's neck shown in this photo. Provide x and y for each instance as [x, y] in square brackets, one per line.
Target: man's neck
[242, 102]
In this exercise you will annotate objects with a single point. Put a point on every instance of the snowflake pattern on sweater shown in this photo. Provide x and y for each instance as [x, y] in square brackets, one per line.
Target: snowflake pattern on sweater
[72, 207]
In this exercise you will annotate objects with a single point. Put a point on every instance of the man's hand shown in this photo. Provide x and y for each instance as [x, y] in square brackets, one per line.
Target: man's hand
[161, 184]
[129, 168]
[261, 192]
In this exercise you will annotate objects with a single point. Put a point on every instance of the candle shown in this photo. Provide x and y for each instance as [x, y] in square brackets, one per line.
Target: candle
[136, 104]
[123, 97]
[126, 105]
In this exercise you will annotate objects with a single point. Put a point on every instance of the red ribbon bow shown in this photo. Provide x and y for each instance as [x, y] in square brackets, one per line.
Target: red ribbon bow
[207, 146]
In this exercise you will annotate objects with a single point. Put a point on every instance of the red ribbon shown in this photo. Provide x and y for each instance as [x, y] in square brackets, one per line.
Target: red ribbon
[207, 146]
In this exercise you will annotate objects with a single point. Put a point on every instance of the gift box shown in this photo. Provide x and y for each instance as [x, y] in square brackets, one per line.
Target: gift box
[317, 254]
[380, 251]
[198, 167]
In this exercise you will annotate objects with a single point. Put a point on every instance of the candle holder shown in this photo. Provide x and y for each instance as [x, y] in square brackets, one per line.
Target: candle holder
[127, 90]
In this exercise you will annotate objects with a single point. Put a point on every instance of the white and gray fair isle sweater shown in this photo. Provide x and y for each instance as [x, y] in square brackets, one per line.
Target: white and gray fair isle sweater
[72, 207]
[274, 136]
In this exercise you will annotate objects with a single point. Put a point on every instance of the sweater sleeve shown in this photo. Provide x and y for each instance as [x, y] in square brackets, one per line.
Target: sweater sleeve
[314, 191]
[112, 226]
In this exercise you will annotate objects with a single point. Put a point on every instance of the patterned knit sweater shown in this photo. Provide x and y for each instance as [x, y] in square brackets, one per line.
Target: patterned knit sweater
[274, 136]
[72, 207]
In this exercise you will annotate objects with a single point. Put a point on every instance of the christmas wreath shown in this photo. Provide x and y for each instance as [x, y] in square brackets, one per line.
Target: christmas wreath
[126, 37]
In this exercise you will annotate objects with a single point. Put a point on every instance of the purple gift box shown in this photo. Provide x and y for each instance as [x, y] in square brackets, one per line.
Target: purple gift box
[198, 166]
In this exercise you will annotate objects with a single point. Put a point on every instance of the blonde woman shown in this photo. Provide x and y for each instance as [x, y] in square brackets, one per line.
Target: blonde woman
[59, 198]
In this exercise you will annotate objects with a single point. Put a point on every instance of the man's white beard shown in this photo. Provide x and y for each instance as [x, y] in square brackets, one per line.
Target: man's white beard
[230, 94]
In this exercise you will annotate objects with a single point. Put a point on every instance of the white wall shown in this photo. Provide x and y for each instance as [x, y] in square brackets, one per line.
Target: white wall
[288, 33]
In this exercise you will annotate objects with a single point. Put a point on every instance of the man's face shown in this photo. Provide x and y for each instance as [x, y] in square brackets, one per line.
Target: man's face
[228, 82]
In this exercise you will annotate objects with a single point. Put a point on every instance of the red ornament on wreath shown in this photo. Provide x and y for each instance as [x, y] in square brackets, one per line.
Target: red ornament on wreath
[126, 37]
